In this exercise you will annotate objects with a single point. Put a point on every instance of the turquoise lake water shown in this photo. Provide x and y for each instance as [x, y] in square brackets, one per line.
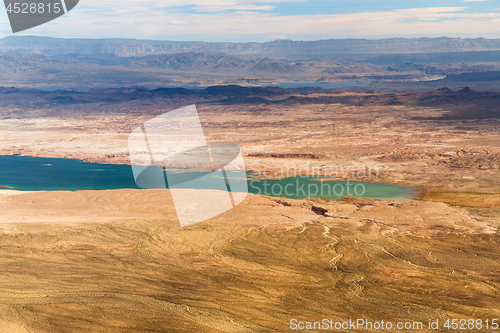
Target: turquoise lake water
[324, 85]
[25, 173]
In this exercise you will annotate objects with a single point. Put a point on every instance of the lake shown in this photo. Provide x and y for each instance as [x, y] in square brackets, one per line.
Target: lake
[324, 85]
[24, 173]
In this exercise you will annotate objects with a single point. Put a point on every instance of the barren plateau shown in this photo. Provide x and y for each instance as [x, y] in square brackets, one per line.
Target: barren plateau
[118, 261]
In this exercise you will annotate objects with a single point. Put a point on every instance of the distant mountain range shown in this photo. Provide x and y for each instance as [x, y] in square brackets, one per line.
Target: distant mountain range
[40, 70]
[46, 61]
[217, 62]
[80, 70]
[185, 61]
[280, 48]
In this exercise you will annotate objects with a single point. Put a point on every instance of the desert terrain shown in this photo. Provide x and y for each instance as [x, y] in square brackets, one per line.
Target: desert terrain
[440, 141]
[118, 261]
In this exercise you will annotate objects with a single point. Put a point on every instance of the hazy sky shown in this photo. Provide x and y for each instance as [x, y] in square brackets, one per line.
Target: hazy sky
[257, 20]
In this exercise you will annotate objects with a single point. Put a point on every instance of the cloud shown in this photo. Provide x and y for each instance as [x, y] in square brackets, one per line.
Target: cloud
[221, 8]
[196, 4]
[276, 37]
[255, 21]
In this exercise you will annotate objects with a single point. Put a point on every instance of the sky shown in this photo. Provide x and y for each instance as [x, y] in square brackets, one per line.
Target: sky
[260, 21]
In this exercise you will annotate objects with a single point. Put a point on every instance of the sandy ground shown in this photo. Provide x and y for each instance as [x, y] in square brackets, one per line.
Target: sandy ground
[118, 260]
[24, 210]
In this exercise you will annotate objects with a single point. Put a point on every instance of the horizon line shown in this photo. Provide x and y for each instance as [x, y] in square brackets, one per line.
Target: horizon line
[248, 42]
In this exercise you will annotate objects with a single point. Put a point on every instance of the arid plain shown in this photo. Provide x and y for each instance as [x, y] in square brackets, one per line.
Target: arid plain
[118, 261]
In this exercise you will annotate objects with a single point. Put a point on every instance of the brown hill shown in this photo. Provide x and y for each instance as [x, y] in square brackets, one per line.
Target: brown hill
[463, 104]
[195, 61]
[270, 65]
